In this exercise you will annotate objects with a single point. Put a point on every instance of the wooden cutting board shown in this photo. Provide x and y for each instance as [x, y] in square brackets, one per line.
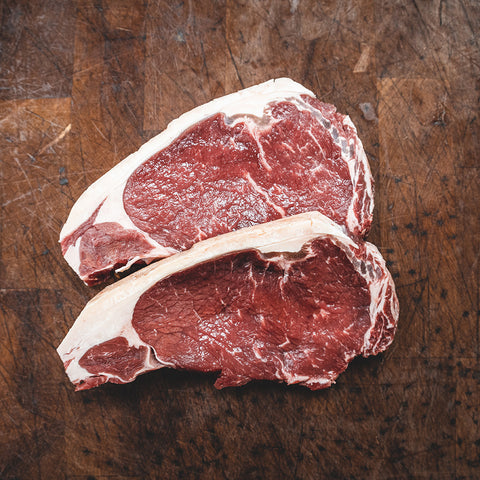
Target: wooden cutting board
[83, 84]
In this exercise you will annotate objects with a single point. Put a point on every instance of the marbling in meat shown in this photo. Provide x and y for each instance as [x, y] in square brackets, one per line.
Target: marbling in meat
[293, 300]
[263, 153]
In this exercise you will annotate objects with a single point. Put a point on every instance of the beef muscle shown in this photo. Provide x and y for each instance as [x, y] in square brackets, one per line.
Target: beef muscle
[292, 300]
[263, 153]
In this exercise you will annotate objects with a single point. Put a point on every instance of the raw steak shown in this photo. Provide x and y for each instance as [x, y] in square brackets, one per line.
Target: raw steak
[291, 300]
[263, 153]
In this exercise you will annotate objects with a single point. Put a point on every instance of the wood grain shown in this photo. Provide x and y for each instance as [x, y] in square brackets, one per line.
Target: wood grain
[85, 83]
[186, 56]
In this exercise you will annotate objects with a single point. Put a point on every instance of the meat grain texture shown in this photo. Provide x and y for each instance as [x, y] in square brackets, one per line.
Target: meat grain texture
[261, 200]
[291, 300]
[264, 153]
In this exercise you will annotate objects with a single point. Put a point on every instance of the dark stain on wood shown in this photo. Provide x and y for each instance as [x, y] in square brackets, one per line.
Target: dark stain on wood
[86, 83]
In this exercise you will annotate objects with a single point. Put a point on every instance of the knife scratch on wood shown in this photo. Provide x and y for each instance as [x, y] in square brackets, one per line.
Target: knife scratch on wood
[56, 139]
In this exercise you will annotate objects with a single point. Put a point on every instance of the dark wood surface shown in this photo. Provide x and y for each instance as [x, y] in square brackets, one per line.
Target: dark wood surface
[84, 84]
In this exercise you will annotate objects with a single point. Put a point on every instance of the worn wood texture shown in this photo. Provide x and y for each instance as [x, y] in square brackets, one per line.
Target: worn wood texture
[83, 84]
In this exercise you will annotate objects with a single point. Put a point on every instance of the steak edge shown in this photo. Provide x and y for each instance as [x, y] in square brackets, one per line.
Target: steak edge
[292, 300]
[257, 155]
